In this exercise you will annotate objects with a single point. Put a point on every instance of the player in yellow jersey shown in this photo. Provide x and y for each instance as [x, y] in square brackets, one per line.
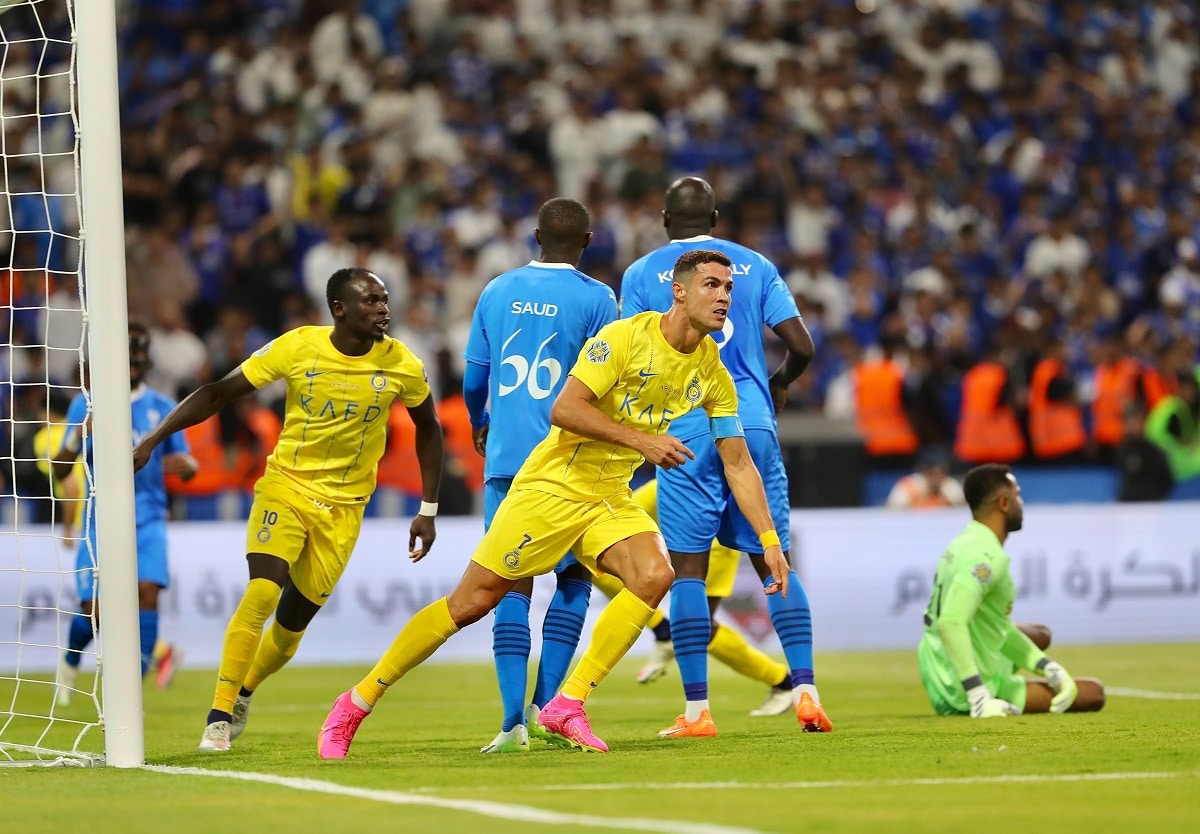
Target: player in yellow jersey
[308, 506]
[629, 382]
[727, 644]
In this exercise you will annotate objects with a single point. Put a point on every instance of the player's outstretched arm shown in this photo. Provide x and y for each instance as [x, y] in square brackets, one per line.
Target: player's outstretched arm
[746, 484]
[197, 407]
[430, 452]
[798, 341]
[575, 411]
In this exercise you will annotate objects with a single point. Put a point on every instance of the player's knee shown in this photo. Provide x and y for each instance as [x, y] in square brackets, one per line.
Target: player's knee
[148, 596]
[657, 576]
[1038, 633]
[1091, 697]
[470, 606]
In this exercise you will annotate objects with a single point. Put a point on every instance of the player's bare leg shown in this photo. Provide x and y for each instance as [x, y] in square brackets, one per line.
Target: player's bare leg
[1038, 695]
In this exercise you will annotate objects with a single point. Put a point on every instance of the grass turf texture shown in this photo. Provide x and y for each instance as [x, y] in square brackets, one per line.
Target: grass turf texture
[423, 741]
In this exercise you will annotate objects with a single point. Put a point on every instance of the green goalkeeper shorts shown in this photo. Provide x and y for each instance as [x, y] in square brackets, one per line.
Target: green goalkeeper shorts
[945, 690]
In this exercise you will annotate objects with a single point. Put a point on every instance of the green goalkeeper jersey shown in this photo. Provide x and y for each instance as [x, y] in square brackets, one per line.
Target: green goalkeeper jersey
[972, 586]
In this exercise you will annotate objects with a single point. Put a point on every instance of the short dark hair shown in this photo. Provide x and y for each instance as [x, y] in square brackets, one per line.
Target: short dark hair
[982, 481]
[563, 221]
[335, 288]
[687, 263]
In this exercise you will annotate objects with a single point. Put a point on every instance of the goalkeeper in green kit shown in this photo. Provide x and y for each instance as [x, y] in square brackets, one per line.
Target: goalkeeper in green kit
[971, 654]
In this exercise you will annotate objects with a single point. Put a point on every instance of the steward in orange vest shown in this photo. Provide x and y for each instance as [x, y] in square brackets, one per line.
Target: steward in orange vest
[879, 410]
[460, 443]
[256, 439]
[988, 431]
[1055, 418]
[215, 474]
[1116, 385]
[399, 468]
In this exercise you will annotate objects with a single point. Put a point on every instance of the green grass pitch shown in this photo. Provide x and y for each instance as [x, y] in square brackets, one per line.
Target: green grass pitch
[890, 765]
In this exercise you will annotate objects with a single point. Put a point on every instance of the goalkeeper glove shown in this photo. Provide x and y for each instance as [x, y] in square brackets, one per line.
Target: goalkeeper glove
[1062, 683]
[983, 705]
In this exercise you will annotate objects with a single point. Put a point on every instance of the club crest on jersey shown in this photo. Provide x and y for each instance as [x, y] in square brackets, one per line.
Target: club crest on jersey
[693, 392]
[598, 352]
[379, 381]
[264, 534]
[982, 572]
[512, 559]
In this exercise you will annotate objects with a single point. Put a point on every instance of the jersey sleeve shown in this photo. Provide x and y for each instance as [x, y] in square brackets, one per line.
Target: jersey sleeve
[478, 350]
[602, 359]
[633, 293]
[272, 361]
[779, 304]
[721, 394]
[72, 439]
[1018, 648]
[960, 600]
[414, 385]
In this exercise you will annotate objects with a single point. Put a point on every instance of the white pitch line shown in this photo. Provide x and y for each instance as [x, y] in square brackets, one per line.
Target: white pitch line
[495, 810]
[1148, 693]
[849, 783]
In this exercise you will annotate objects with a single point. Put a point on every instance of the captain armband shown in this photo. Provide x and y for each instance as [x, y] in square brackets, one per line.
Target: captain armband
[722, 427]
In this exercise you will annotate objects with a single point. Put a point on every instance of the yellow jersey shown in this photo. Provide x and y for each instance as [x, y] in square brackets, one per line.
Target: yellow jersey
[638, 380]
[335, 423]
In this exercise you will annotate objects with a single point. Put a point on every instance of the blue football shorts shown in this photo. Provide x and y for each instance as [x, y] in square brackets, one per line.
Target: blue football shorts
[151, 559]
[696, 506]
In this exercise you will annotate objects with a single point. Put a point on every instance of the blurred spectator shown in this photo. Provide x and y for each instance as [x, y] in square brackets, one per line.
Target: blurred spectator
[1172, 426]
[988, 429]
[1142, 465]
[880, 412]
[1056, 431]
[930, 486]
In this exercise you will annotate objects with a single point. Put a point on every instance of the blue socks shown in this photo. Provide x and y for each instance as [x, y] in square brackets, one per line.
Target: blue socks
[148, 626]
[793, 623]
[560, 636]
[510, 645]
[79, 635]
[691, 630]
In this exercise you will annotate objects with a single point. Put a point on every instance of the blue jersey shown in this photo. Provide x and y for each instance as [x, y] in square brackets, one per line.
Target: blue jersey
[759, 297]
[527, 331]
[148, 408]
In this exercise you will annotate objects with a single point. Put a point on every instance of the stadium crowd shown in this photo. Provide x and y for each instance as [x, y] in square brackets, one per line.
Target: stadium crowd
[989, 212]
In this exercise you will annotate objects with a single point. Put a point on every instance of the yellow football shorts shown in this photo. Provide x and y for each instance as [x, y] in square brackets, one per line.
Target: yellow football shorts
[532, 530]
[722, 570]
[314, 537]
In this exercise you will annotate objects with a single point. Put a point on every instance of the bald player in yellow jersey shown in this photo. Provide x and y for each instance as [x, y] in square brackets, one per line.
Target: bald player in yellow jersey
[727, 644]
[629, 382]
[308, 505]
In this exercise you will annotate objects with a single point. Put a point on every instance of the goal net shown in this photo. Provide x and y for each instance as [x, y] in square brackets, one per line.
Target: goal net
[43, 521]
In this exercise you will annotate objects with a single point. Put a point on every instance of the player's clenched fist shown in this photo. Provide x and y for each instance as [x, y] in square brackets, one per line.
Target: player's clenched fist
[666, 451]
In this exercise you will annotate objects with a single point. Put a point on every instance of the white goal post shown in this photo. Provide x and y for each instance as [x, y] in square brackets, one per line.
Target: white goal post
[61, 224]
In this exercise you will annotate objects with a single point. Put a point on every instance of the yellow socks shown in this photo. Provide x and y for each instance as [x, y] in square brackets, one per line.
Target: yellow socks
[617, 629]
[278, 646]
[610, 586]
[242, 636]
[732, 649]
[425, 633]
